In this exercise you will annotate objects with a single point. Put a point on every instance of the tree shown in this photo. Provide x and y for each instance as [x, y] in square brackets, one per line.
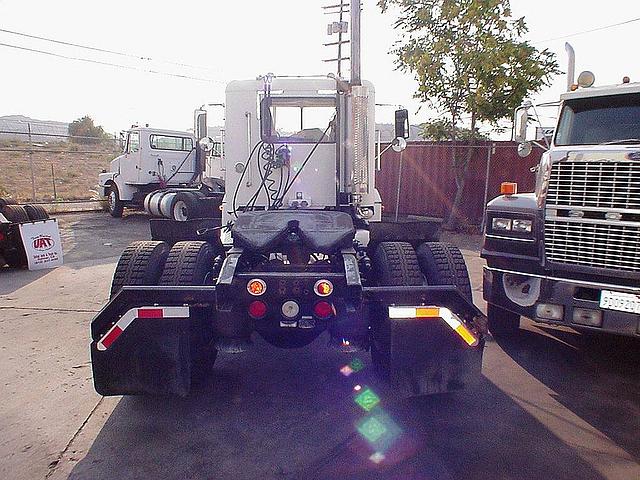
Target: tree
[441, 129]
[85, 131]
[469, 59]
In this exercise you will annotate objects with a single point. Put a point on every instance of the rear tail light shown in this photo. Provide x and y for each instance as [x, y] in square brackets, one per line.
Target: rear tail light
[257, 309]
[323, 288]
[256, 287]
[323, 310]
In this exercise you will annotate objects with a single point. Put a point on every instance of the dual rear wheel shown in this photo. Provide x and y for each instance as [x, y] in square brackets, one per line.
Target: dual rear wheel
[186, 263]
[398, 264]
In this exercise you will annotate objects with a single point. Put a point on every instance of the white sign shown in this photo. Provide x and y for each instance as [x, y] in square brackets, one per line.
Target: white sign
[42, 244]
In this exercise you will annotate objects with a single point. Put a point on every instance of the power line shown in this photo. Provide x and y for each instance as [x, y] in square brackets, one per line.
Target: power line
[632, 20]
[102, 50]
[99, 62]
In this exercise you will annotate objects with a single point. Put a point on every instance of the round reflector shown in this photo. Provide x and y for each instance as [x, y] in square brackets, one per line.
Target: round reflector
[323, 288]
[323, 310]
[257, 309]
[290, 309]
[256, 287]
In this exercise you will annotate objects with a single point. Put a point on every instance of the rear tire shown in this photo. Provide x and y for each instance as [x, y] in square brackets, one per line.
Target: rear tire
[443, 264]
[191, 263]
[36, 212]
[502, 323]
[141, 263]
[15, 213]
[395, 264]
[115, 206]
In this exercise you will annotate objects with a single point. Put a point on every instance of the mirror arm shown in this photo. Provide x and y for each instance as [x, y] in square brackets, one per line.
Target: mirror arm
[538, 144]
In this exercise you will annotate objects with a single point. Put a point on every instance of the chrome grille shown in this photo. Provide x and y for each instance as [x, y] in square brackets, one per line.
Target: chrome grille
[582, 196]
[595, 184]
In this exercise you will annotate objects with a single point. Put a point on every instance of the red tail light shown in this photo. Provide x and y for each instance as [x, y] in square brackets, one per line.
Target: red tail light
[323, 310]
[257, 309]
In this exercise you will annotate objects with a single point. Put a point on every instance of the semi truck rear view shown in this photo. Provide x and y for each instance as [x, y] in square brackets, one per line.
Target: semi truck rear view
[301, 250]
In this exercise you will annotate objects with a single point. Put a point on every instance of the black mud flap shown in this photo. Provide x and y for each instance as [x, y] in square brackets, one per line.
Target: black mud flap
[428, 357]
[424, 356]
[164, 329]
[151, 357]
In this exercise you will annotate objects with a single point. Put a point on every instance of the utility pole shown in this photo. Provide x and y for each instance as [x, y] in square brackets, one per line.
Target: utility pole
[340, 27]
[355, 42]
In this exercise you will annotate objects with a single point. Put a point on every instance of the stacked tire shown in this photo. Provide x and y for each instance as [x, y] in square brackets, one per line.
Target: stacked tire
[11, 249]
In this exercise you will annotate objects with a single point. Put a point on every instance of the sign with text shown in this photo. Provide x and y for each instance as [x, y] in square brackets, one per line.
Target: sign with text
[42, 244]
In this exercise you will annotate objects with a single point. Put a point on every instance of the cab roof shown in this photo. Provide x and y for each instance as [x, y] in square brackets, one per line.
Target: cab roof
[588, 92]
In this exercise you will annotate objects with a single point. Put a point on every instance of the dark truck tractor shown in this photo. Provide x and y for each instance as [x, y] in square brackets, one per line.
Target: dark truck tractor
[569, 254]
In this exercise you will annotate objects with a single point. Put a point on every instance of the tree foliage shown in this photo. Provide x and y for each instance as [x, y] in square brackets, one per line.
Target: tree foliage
[441, 129]
[468, 57]
[85, 131]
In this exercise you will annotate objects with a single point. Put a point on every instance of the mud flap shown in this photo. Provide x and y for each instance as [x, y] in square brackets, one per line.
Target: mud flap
[152, 357]
[427, 357]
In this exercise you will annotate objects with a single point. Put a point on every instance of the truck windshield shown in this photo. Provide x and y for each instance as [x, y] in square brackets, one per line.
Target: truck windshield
[597, 120]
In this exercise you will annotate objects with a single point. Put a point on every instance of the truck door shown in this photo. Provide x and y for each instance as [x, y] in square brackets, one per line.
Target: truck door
[173, 157]
[129, 165]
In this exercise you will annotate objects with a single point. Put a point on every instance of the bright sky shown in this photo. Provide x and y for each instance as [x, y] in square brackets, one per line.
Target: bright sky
[243, 39]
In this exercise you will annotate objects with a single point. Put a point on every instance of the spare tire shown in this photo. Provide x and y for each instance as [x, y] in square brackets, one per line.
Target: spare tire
[36, 212]
[15, 213]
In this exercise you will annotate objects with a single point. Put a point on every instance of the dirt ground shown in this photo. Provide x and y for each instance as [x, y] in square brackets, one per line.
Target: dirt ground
[551, 404]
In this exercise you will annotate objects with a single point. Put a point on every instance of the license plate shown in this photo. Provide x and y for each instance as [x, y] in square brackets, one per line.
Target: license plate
[622, 302]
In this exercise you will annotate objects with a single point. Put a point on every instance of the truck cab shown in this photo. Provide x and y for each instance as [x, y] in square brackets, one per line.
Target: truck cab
[151, 159]
[569, 253]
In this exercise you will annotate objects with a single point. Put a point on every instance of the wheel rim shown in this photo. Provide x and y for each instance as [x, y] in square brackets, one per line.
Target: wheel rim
[181, 211]
[112, 200]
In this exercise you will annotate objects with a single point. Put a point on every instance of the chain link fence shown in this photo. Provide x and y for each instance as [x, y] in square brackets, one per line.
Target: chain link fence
[41, 162]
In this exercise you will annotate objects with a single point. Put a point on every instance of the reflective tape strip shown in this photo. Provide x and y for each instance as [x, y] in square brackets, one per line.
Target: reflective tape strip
[445, 314]
[144, 312]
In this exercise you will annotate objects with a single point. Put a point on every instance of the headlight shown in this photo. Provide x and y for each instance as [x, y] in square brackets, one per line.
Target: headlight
[501, 224]
[522, 226]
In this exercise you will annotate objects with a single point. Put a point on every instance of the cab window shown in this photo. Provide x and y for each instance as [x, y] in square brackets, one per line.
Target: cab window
[133, 142]
[170, 142]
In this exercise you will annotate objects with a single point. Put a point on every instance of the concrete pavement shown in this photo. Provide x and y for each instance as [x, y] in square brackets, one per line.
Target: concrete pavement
[551, 404]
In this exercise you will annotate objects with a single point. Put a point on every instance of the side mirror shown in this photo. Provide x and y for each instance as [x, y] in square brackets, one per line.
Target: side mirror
[200, 124]
[402, 123]
[524, 149]
[520, 123]
[266, 121]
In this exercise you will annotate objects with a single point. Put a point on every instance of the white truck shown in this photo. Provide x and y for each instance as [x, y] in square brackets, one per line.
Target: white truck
[569, 253]
[301, 249]
[156, 160]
